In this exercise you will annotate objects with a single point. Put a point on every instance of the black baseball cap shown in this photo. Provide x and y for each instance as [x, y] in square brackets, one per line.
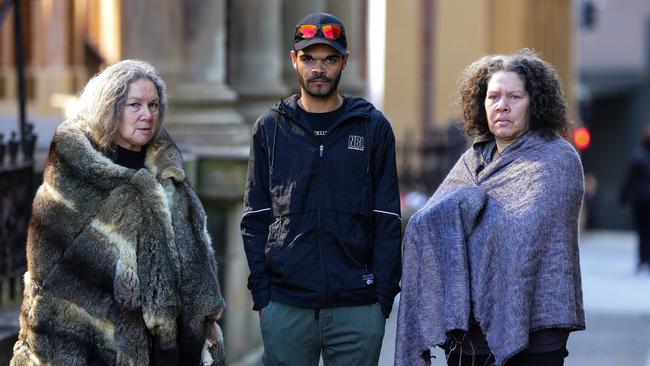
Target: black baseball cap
[335, 39]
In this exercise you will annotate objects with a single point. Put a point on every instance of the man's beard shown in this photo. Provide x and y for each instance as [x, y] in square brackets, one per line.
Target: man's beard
[319, 93]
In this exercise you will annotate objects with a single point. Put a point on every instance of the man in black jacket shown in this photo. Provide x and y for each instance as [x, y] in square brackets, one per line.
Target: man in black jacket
[321, 223]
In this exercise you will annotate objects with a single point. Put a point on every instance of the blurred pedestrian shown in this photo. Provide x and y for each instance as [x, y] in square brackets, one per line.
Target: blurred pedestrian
[636, 192]
[588, 206]
[121, 270]
[491, 268]
[321, 223]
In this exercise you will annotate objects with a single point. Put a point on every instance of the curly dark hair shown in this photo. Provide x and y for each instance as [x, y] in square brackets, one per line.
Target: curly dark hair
[548, 108]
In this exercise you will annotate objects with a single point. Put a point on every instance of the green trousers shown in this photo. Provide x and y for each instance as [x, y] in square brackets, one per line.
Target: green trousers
[350, 335]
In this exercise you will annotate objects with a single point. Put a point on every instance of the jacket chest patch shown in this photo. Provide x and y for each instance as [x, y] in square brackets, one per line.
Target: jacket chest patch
[355, 142]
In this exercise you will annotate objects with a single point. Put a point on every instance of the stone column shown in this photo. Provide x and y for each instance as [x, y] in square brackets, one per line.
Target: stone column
[159, 39]
[292, 12]
[50, 67]
[241, 323]
[7, 61]
[187, 42]
[349, 11]
[256, 55]
[203, 100]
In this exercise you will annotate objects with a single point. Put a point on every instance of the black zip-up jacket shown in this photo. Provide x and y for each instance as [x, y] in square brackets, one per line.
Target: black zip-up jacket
[321, 223]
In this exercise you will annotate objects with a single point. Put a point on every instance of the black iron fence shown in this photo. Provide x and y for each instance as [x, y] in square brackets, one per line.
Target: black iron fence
[425, 165]
[16, 195]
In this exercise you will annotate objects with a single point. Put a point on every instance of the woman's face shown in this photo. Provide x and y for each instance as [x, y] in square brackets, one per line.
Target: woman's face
[507, 107]
[140, 115]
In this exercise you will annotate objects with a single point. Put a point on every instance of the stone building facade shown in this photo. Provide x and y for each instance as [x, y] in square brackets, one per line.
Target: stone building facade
[430, 42]
[224, 62]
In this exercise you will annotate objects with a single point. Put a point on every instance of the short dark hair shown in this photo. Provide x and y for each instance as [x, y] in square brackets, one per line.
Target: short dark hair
[548, 107]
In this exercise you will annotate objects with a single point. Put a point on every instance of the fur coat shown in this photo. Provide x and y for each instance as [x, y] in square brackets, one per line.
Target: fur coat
[116, 258]
[499, 240]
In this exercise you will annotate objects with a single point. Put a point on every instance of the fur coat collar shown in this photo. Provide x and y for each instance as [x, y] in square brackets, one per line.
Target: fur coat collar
[117, 259]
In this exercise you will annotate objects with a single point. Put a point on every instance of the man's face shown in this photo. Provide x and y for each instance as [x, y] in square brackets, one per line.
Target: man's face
[319, 69]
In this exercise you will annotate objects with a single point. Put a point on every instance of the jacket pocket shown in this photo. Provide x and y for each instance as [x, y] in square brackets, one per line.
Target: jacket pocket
[349, 231]
[290, 251]
[349, 219]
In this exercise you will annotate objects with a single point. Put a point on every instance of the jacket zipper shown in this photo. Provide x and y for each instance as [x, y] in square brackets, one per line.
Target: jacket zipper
[320, 228]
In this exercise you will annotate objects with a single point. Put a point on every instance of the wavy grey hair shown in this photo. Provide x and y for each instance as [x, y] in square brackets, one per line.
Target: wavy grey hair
[103, 99]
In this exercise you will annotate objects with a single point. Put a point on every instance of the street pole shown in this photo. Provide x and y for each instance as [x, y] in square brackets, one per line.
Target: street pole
[20, 68]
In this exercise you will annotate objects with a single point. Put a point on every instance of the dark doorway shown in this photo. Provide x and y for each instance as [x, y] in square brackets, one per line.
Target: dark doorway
[614, 127]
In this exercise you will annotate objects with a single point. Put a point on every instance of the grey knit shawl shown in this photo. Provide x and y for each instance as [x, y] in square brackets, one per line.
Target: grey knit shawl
[116, 255]
[503, 242]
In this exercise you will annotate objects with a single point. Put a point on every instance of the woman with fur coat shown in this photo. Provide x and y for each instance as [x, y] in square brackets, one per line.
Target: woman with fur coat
[121, 269]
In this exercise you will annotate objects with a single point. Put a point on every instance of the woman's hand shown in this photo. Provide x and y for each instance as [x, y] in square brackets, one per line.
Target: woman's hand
[214, 353]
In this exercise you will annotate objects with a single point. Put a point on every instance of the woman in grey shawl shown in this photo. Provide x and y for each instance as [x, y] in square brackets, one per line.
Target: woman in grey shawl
[491, 269]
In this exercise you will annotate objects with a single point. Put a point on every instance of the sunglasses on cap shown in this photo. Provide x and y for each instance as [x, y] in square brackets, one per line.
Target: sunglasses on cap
[329, 31]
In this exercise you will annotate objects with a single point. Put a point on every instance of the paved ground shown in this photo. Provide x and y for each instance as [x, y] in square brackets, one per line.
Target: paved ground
[617, 304]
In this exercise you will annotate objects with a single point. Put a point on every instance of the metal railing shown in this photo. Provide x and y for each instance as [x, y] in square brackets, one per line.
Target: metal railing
[426, 164]
[16, 195]
[16, 177]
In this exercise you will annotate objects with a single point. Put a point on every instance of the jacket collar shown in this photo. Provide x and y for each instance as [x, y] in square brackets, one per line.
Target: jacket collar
[353, 107]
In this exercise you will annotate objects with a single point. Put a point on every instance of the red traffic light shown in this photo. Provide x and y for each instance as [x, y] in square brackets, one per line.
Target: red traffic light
[582, 138]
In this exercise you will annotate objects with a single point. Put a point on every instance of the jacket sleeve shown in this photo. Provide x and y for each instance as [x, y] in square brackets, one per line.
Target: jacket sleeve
[387, 222]
[256, 218]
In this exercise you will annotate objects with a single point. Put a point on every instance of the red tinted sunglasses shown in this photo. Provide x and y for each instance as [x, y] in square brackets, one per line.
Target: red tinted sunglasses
[329, 31]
